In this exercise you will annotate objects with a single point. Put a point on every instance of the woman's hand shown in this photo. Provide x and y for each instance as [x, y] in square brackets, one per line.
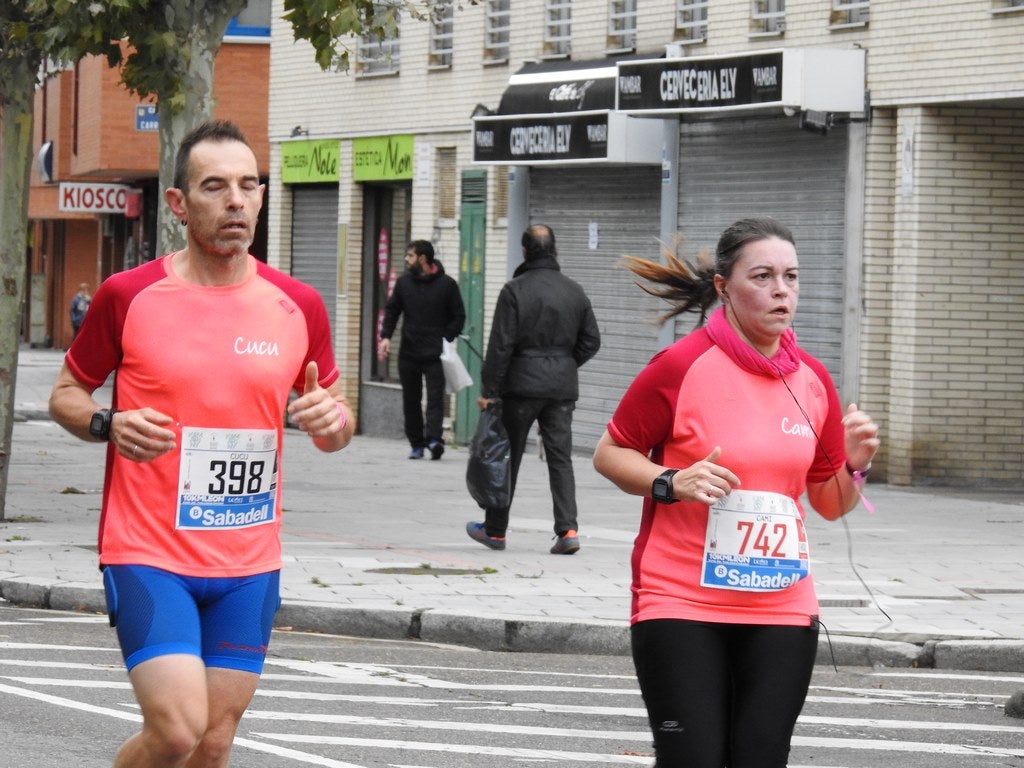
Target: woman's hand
[704, 481]
[861, 435]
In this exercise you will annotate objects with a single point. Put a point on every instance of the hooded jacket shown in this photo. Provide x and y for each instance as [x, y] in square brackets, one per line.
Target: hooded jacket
[544, 329]
[433, 309]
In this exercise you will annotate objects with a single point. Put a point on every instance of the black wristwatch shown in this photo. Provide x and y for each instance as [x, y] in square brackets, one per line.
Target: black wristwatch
[99, 425]
[661, 488]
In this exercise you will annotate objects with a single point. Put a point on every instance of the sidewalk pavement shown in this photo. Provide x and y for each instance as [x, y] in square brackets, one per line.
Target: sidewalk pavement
[375, 546]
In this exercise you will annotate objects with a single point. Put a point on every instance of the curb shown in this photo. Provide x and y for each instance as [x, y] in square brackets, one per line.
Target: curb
[526, 635]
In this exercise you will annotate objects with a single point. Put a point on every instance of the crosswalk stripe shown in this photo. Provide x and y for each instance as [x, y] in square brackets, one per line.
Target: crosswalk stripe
[475, 749]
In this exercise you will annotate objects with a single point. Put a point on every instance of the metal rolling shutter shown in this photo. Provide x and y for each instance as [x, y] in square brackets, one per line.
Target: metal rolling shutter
[624, 202]
[735, 168]
[315, 240]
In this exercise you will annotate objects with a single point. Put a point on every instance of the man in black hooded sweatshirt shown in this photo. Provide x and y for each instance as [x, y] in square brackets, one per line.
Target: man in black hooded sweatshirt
[433, 309]
[544, 329]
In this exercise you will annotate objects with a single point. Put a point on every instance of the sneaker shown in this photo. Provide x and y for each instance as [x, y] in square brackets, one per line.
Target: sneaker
[566, 544]
[436, 448]
[477, 533]
[416, 453]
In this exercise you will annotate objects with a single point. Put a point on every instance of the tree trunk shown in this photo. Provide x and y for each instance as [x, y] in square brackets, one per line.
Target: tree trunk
[18, 78]
[200, 28]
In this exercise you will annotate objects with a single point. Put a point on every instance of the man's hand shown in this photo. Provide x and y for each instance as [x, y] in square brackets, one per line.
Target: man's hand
[323, 415]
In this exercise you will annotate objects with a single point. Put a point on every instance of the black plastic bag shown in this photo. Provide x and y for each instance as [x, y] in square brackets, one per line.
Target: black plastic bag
[489, 469]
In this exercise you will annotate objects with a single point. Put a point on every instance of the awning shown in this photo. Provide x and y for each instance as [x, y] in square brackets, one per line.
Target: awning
[546, 87]
[556, 112]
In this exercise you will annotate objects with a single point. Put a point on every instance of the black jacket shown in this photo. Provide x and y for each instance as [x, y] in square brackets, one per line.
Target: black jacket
[544, 329]
[433, 309]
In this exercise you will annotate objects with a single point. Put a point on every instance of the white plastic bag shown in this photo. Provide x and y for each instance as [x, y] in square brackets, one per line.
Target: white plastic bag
[456, 376]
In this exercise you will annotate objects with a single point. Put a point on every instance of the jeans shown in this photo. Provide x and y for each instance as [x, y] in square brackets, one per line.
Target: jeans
[411, 374]
[555, 420]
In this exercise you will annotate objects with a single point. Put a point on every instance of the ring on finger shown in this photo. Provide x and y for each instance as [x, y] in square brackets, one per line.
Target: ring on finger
[135, 450]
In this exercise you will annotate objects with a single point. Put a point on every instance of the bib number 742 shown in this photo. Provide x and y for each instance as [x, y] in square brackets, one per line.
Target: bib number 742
[765, 542]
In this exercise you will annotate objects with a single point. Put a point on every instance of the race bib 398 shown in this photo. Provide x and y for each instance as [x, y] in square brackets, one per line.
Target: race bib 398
[227, 479]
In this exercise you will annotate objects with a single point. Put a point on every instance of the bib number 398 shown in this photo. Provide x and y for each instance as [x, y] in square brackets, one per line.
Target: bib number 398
[755, 542]
[227, 479]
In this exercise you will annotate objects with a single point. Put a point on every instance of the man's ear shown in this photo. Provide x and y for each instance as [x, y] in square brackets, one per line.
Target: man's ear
[176, 202]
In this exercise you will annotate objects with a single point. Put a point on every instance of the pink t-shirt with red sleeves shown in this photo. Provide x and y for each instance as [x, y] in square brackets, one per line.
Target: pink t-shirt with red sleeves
[221, 361]
[775, 434]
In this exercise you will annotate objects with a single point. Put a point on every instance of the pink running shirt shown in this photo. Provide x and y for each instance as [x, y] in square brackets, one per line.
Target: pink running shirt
[221, 361]
[691, 397]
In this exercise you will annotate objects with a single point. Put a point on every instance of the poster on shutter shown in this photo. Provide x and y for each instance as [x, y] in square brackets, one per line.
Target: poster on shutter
[383, 254]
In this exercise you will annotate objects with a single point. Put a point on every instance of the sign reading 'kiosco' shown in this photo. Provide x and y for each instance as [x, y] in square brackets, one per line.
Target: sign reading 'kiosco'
[81, 197]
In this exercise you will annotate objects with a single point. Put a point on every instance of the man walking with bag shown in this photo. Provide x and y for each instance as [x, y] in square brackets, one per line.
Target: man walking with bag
[544, 329]
[432, 305]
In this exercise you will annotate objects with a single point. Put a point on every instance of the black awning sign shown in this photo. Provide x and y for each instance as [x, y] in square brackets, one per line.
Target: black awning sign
[531, 138]
[675, 85]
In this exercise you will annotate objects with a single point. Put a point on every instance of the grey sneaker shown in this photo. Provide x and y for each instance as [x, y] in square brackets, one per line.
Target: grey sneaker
[566, 544]
[476, 532]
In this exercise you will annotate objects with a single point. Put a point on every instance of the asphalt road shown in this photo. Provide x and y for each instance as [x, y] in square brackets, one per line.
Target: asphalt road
[355, 703]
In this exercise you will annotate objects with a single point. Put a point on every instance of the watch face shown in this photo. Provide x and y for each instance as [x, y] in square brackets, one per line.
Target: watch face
[98, 425]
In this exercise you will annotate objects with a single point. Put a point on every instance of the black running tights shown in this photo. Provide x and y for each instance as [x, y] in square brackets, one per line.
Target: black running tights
[722, 695]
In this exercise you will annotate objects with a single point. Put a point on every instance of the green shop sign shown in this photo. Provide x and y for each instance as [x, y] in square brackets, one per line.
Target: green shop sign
[382, 158]
[304, 162]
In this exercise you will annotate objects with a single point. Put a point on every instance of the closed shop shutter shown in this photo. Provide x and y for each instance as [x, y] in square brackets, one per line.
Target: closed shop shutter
[737, 168]
[315, 240]
[623, 204]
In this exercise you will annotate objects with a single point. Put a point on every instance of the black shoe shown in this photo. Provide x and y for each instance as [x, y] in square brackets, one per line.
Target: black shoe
[436, 448]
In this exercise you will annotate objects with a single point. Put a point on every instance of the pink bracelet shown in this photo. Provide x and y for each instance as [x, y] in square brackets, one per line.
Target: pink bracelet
[342, 416]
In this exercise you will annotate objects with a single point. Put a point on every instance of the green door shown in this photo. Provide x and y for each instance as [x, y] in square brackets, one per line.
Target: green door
[472, 239]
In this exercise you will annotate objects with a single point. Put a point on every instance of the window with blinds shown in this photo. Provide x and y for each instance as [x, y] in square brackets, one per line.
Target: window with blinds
[849, 14]
[497, 24]
[446, 179]
[442, 36]
[557, 28]
[377, 55]
[691, 21]
[767, 17]
[621, 25]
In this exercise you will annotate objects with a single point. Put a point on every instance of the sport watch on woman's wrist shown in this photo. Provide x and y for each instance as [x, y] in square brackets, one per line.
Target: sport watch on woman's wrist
[661, 488]
[99, 424]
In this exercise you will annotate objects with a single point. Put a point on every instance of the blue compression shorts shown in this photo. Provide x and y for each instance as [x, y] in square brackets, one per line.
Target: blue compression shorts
[224, 621]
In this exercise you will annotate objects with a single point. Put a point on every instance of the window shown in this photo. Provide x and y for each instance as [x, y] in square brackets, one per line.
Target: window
[767, 17]
[253, 21]
[499, 212]
[849, 14]
[622, 25]
[497, 23]
[378, 55]
[446, 180]
[442, 26]
[692, 21]
[1007, 6]
[557, 28]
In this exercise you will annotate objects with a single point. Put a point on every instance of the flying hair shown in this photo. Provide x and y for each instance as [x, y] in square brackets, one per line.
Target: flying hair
[689, 286]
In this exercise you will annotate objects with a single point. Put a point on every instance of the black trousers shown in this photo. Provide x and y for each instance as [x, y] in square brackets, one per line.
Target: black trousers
[412, 373]
[722, 695]
[555, 420]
